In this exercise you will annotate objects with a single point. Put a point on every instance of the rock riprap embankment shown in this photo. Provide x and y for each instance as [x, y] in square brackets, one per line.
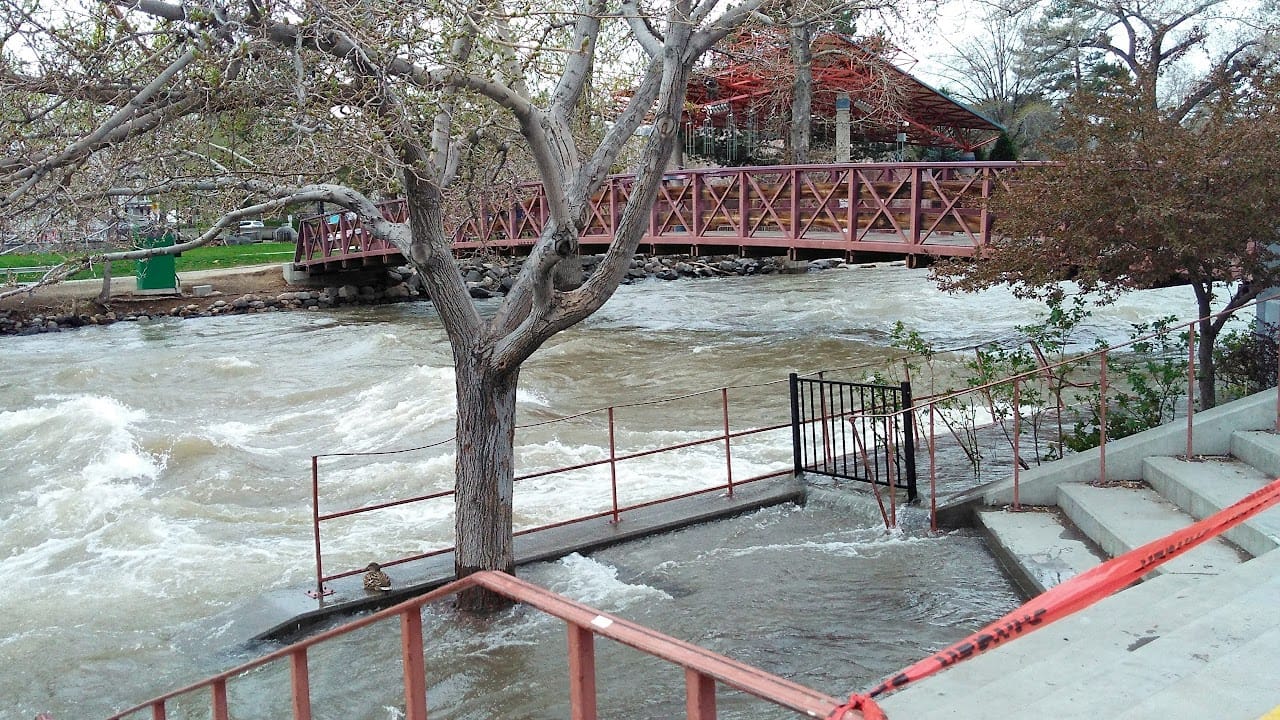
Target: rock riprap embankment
[485, 278]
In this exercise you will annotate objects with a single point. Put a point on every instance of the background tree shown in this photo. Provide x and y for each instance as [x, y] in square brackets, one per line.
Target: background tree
[1147, 201]
[992, 73]
[1176, 54]
[388, 96]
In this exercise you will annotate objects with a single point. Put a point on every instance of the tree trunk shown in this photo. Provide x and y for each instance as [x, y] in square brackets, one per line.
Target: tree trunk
[485, 471]
[801, 90]
[1208, 335]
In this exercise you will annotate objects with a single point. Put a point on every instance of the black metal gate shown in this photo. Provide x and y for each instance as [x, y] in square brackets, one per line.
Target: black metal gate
[854, 431]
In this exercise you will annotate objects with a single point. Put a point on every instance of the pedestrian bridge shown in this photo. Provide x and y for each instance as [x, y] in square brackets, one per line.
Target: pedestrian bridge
[918, 211]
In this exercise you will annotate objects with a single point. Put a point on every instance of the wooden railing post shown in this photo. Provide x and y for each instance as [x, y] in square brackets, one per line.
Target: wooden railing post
[582, 673]
[300, 681]
[415, 670]
[219, 692]
[700, 695]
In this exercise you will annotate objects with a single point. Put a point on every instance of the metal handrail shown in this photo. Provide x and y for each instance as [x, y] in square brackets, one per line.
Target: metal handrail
[703, 668]
[931, 402]
[615, 512]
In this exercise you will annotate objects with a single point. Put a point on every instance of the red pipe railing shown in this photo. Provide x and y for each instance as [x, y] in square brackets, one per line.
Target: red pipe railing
[615, 512]
[937, 209]
[1103, 355]
[703, 669]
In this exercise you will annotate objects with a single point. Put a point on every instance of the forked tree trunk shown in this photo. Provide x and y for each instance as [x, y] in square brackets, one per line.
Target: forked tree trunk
[485, 472]
[801, 34]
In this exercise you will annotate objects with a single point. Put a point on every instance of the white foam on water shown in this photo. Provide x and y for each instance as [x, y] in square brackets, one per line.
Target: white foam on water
[231, 363]
[527, 396]
[390, 411]
[596, 584]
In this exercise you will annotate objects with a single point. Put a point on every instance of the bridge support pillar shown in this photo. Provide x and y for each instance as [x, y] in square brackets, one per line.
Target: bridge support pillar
[843, 128]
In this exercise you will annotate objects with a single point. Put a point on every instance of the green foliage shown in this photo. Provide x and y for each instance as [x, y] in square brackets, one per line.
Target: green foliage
[1003, 149]
[1245, 361]
[1151, 380]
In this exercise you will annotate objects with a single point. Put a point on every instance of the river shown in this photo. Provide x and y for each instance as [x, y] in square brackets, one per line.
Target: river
[155, 479]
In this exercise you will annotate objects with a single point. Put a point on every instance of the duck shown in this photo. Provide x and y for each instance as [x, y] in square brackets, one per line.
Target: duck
[375, 580]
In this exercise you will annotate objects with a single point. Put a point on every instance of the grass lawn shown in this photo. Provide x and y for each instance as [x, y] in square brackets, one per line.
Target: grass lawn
[202, 258]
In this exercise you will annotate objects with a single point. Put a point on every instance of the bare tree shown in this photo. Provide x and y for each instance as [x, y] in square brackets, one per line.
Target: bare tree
[408, 93]
[990, 71]
[1156, 43]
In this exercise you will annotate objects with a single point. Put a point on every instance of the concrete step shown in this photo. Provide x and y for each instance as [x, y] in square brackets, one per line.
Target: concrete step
[1104, 690]
[1121, 518]
[1258, 448]
[1037, 548]
[1061, 655]
[1203, 487]
[1241, 685]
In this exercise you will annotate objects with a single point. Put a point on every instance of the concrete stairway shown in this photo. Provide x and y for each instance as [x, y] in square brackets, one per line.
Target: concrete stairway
[1199, 638]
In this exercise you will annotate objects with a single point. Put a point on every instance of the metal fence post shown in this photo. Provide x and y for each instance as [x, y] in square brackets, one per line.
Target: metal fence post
[1191, 385]
[1102, 419]
[613, 466]
[728, 458]
[315, 522]
[793, 380]
[1017, 430]
[909, 440]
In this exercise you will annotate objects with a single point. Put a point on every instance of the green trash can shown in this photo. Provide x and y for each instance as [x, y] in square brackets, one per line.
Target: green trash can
[156, 274]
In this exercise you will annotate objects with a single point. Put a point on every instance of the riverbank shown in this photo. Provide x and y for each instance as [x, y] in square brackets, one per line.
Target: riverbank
[262, 288]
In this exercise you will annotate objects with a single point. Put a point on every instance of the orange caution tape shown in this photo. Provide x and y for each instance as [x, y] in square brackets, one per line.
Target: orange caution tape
[1078, 592]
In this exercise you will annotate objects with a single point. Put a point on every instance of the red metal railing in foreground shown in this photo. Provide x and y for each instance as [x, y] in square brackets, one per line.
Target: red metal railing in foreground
[615, 512]
[703, 669]
[935, 209]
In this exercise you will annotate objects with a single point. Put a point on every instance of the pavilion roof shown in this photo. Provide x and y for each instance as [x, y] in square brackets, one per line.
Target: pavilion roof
[752, 76]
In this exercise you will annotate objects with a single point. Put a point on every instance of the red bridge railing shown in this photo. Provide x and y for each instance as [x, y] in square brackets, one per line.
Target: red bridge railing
[910, 209]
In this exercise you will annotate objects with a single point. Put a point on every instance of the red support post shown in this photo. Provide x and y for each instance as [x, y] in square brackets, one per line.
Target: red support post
[613, 466]
[933, 474]
[1102, 419]
[794, 209]
[415, 669]
[916, 202]
[1017, 430]
[700, 695]
[582, 673]
[1191, 385]
[728, 457]
[219, 691]
[157, 710]
[300, 680]
[315, 522]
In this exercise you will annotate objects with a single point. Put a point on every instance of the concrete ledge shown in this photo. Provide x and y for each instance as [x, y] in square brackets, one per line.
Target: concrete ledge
[1036, 548]
[287, 615]
[1120, 519]
[1213, 430]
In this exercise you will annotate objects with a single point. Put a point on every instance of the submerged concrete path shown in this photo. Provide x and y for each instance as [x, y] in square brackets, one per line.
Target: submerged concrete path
[285, 615]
